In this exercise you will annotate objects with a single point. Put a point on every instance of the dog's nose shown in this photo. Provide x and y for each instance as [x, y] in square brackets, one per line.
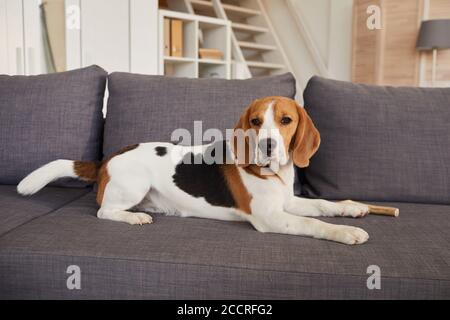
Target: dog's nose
[267, 146]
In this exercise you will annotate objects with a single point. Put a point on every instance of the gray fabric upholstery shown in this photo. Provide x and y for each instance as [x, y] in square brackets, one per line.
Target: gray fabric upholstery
[46, 117]
[16, 210]
[379, 143]
[188, 258]
[144, 108]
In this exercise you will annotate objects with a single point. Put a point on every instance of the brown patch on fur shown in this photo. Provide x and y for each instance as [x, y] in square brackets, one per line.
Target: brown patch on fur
[103, 179]
[85, 170]
[237, 188]
[255, 110]
[103, 175]
[255, 170]
[306, 141]
[285, 107]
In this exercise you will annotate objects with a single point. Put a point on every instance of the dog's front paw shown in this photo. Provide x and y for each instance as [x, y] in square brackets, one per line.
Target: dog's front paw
[351, 235]
[355, 210]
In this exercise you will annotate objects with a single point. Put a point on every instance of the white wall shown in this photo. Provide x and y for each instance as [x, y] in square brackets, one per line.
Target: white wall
[324, 46]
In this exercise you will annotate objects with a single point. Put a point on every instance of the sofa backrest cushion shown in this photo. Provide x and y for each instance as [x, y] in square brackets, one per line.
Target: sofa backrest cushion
[48, 117]
[379, 143]
[143, 108]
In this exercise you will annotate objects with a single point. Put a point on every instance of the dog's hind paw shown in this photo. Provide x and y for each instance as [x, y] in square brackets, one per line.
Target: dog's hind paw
[139, 218]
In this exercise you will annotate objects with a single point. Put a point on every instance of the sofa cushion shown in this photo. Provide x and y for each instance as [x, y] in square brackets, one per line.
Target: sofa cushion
[144, 108]
[46, 117]
[16, 210]
[189, 258]
[379, 143]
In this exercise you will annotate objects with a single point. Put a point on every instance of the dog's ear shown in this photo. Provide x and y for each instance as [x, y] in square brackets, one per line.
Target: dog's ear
[306, 140]
[240, 140]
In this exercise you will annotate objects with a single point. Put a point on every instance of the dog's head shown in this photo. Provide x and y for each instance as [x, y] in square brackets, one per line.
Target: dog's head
[273, 129]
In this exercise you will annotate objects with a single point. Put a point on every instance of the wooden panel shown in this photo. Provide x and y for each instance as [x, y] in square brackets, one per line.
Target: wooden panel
[401, 59]
[439, 9]
[365, 58]
[176, 31]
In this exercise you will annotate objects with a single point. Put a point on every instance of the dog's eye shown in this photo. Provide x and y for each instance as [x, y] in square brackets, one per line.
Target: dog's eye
[286, 120]
[256, 122]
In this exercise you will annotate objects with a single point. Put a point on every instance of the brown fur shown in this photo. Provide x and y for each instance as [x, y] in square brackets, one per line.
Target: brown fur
[255, 110]
[300, 136]
[85, 170]
[306, 140]
[255, 170]
[103, 179]
[237, 188]
[102, 172]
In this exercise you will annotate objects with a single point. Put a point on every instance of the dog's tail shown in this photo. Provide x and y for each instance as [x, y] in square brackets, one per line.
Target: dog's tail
[39, 178]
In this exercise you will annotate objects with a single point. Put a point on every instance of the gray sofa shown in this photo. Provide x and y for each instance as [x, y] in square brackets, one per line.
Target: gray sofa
[59, 116]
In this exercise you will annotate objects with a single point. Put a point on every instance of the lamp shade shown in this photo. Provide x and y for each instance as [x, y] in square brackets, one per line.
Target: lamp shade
[434, 34]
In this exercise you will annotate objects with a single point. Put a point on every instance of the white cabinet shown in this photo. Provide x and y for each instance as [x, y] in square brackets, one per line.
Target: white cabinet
[105, 34]
[118, 35]
[21, 50]
[33, 40]
[12, 37]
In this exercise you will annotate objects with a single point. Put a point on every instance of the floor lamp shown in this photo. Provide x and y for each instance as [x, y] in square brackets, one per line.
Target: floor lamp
[434, 35]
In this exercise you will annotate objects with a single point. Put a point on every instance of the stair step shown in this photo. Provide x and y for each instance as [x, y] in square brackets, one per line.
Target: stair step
[201, 3]
[240, 11]
[202, 7]
[248, 28]
[256, 46]
[264, 65]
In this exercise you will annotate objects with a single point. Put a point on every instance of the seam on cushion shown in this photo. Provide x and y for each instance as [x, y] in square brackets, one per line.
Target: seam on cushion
[219, 266]
[43, 215]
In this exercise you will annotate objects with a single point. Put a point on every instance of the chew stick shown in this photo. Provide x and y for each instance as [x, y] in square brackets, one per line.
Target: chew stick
[381, 210]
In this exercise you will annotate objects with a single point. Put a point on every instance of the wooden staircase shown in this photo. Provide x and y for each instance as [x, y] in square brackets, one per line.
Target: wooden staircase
[256, 48]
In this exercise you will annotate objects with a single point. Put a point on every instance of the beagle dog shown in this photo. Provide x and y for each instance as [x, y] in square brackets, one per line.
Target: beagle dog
[253, 181]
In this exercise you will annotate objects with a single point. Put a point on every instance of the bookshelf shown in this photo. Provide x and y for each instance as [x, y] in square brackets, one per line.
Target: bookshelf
[197, 32]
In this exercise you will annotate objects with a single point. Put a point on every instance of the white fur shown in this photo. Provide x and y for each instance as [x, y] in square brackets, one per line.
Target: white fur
[39, 178]
[142, 180]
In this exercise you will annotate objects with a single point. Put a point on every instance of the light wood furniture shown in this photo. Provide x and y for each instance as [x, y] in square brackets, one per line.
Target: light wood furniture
[389, 56]
[215, 35]
[256, 49]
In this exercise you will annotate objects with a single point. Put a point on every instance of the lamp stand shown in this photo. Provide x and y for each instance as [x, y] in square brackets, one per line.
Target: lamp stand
[433, 70]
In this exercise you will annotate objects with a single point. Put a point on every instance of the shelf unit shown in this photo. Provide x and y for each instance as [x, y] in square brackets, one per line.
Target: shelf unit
[198, 32]
[256, 49]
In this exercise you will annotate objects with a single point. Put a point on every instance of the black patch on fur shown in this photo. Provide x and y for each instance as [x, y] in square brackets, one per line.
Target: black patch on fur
[200, 179]
[161, 151]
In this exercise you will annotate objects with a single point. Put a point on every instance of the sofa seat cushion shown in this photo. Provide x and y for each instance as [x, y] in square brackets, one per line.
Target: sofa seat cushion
[188, 258]
[16, 210]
